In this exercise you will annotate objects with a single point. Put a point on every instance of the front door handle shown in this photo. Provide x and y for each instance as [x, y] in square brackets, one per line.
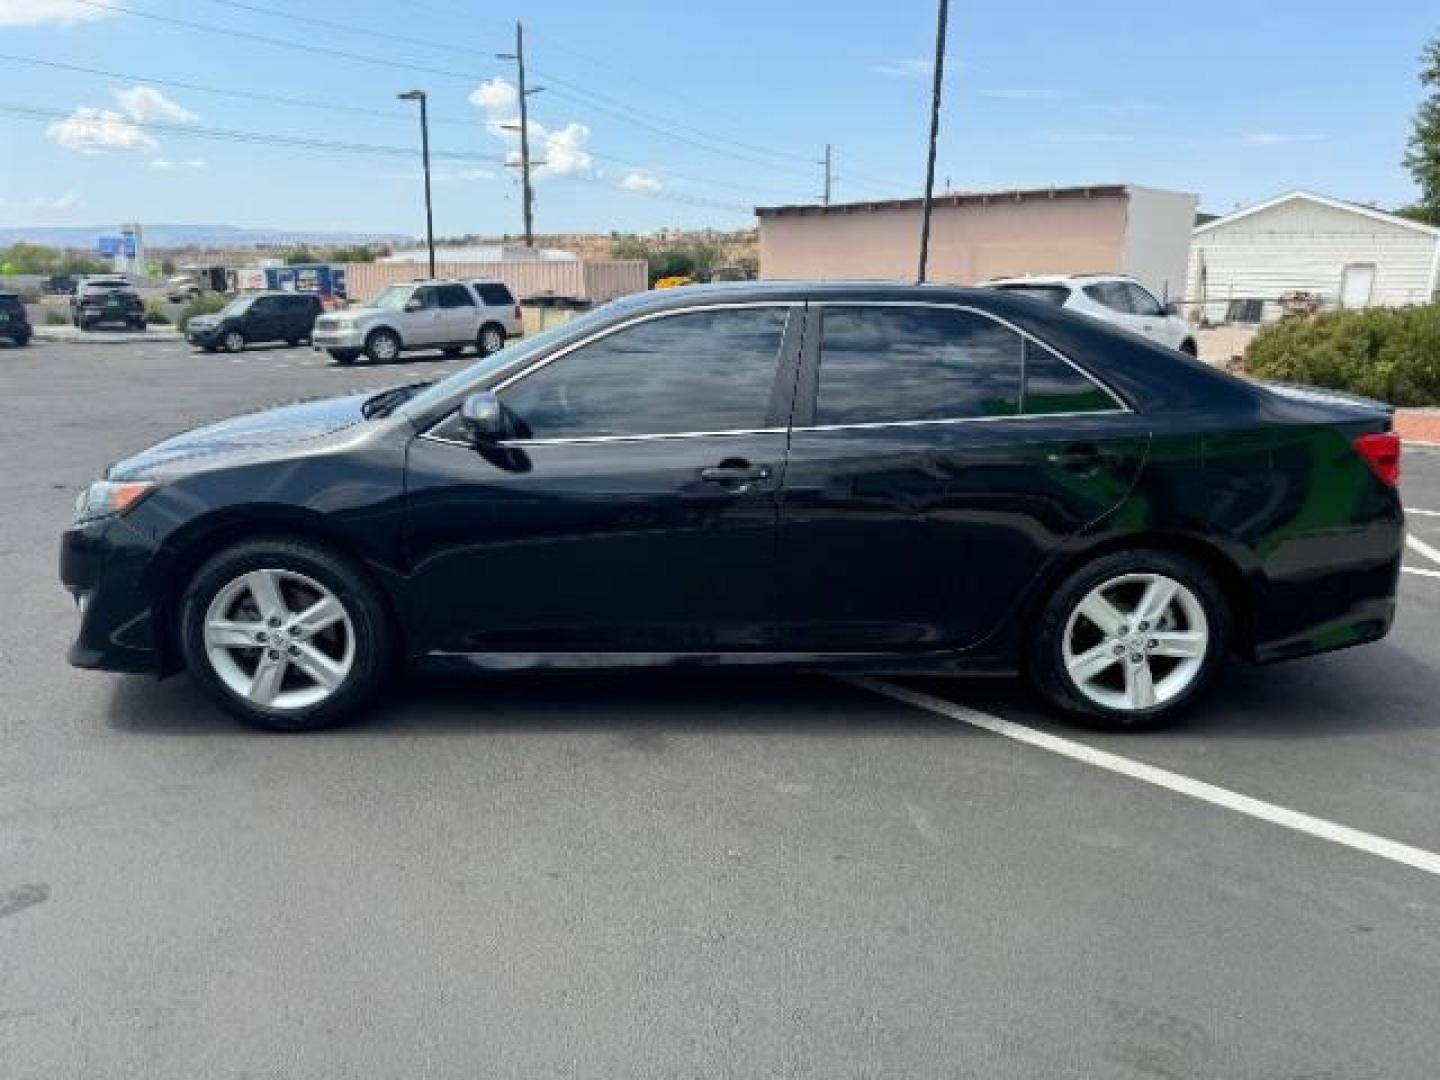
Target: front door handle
[735, 471]
[1082, 458]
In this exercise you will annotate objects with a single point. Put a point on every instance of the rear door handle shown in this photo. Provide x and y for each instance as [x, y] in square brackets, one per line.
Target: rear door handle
[1083, 458]
[735, 472]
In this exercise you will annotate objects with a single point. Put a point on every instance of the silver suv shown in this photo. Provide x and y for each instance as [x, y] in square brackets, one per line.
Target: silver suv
[447, 315]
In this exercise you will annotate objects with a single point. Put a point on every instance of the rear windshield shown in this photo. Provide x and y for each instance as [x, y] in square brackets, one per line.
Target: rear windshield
[10, 302]
[1055, 295]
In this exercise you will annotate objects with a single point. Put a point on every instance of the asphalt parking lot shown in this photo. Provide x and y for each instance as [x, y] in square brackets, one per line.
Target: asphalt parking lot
[643, 876]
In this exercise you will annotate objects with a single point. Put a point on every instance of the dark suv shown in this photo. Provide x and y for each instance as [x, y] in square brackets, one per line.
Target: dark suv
[107, 300]
[14, 323]
[267, 316]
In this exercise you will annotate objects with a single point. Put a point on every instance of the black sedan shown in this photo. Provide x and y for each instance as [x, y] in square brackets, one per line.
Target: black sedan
[862, 476]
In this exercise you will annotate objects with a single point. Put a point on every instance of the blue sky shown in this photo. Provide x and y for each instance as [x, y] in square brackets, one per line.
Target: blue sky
[686, 114]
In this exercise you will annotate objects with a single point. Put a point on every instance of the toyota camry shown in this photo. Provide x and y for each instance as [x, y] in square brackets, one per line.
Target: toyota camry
[891, 478]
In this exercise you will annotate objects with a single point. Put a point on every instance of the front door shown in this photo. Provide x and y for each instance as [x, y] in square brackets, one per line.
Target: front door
[939, 458]
[1357, 283]
[457, 314]
[423, 322]
[635, 508]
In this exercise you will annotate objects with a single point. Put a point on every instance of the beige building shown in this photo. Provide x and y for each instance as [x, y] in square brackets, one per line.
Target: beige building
[1118, 228]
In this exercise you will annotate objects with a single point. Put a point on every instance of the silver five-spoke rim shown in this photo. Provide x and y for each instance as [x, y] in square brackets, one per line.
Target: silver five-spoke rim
[491, 341]
[279, 639]
[234, 342]
[386, 347]
[1136, 642]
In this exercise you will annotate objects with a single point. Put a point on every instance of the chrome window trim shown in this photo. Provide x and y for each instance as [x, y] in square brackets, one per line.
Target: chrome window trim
[1120, 404]
[1025, 417]
[566, 350]
[508, 444]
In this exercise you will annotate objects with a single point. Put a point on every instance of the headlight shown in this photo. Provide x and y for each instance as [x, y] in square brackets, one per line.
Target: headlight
[106, 497]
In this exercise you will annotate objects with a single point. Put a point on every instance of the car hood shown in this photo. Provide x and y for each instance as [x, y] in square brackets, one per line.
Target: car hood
[265, 430]
[359, 310]
[203, 322]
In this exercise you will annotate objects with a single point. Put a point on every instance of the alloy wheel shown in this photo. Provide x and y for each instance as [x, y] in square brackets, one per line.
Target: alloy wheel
[234, 341]
[491, 341]
[1136, 642]
[385, 348]
[279, 639]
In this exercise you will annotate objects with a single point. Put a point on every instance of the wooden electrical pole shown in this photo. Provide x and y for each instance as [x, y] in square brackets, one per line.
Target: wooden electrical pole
[527, 191]
[934, 136]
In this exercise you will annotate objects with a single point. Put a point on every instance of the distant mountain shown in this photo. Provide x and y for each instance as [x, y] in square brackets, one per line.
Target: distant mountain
[179, 236]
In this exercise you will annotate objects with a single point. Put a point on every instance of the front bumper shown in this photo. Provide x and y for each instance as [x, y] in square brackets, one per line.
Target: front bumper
[338, 338]
[202, 336]
[103, 565]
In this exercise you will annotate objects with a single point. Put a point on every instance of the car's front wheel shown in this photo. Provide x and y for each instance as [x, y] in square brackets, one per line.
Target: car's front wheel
[285, 634]
[234, 341]
[1129, 640]
[382, 346]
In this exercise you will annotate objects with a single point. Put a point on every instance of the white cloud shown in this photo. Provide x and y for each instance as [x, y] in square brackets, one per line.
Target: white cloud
[643, 182]
[495, 95]
[69, 201]
[907, 68]
[41, 12]
[94, 131]
[145, 103]
[173, 166]
[1276, 138]
[1022, 94]
[1086, 138]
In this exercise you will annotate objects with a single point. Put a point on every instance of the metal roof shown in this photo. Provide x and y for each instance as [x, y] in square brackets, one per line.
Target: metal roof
[952, 199]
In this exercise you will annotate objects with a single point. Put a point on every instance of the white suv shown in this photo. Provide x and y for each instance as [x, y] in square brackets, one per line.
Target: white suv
[447, 315]
[1115, 298]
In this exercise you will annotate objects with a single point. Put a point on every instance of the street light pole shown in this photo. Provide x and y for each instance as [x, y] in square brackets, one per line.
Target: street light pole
[420, 96]
[934, 137]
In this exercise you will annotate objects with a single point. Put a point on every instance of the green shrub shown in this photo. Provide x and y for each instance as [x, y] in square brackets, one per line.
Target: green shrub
[204, 304]
[157, 313]
[56, 317]
[1388, 353]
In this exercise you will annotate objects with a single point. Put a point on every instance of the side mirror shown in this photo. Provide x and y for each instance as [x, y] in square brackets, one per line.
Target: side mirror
[482, 416]
[412, 305]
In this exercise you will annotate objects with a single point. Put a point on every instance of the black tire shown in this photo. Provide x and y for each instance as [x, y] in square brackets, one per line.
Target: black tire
[1045, 662]
[372, 662]
[486, 342]
[343, 356]
[208, 348]
[233, 341]
[23, 340]
[1189, 348]
[382, 346]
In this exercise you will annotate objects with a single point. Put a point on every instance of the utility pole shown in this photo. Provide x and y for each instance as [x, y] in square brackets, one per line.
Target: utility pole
[527, 197]
[419, 95]
[934, 136]
[825, 199]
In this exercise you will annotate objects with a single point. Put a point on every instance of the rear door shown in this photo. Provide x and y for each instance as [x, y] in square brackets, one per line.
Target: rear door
[939, 458]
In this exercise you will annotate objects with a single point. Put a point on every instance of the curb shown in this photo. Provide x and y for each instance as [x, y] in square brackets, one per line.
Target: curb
[68, 336]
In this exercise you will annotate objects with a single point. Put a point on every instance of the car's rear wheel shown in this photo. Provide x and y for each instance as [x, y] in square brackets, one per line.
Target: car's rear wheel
[1189, 348]
[234, 341]
[382, 347]
[285, 634]
[1131, 639]
[491, 339]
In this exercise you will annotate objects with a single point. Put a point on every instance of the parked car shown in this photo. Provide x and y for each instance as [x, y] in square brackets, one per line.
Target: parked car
[181, 288]
[14, 322]
[1113, 298]
[107, 299]
[861, 476]
[260, 317]
[59, 284]
[448, 315]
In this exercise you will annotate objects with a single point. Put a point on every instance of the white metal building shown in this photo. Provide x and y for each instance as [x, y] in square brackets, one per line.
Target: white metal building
[1351, 256]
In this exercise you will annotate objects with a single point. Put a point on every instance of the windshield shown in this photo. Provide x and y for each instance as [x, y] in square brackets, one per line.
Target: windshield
[392, 297]
[472, 377]
[235, 307]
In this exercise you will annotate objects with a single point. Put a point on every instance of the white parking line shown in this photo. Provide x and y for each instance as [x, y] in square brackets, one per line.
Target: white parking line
[1422, 513]
[1422, 573]
[1416, 544]
[1418, 858]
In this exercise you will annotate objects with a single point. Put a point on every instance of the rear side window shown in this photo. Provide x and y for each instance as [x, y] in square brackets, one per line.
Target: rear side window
[455, 296]
[1111, 294]
[1142, 303]
[1054, 295]
[496, 296]
[889, 365]
[1053, 386]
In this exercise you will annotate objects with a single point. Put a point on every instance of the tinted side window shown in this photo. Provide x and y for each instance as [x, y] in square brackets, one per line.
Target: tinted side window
[883, 365]
[701, 371]
[453, 296]
[496, 296]
[1055, 295]
[1111, 294]
[1142, 303]
[423, 298]
[1053, 386]
[263, 305]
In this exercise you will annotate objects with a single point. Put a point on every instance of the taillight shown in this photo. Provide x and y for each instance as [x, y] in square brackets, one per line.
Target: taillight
[1381, 451]
[517, 312]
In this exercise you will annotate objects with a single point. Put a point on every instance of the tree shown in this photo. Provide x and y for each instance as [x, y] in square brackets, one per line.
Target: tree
[1423, 156]
[299, 256]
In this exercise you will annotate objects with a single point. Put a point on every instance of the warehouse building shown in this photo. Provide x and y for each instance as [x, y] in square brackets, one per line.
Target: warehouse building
[1302, 245]
[975, 236]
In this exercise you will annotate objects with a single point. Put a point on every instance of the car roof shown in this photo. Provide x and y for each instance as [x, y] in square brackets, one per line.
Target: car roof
[1058, 279]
